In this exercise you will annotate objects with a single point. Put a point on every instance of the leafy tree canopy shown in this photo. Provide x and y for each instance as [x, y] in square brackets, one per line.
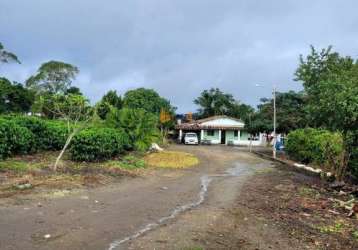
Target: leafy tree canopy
[112, 98]
[6, 56]
[290, 113]
[215, 102]
[14, 97]
[54, 77]
[73, 90]
[146, 99]
[331, 84]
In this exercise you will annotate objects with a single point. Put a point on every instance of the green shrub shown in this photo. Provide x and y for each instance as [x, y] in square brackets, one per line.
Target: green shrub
[14, 139]
[141, 126]
[97, 144]
[54, 136]
[300, 144]
[49, 134]
[318, 146]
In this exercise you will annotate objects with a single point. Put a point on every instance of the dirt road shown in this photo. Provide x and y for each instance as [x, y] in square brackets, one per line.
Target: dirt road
[167, 205]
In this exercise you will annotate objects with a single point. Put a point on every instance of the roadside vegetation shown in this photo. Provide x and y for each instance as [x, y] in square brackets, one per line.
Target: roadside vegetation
[321, 121]
[49, 128]
[171, 159]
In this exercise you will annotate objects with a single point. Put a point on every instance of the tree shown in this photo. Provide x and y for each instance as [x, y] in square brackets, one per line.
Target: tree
[240, 110]
[108, 101]
[14, 97]
[148, 100]
[54, 77]
[76, 112]
[290, 112]
[140, 125]
[214, 102]
[103, 109]
[113, 99]
[331, 84]
[6, 56]
[73, 90]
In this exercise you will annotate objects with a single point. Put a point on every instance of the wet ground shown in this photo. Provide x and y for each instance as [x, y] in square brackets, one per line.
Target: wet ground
[222, 203]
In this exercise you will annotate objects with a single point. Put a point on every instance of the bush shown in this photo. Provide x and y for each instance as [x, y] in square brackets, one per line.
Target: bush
[49, 135]
[318, 146]
[54, 136]
[97, 144]
[140, 126]
[14, 139]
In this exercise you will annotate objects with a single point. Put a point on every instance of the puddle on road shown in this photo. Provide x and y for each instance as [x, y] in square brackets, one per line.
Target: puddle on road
[240, 169]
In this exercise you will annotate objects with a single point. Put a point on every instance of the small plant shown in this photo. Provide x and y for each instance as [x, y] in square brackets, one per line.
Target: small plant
[336, 228]
[355, 234]
[132, 162]
[305, 191]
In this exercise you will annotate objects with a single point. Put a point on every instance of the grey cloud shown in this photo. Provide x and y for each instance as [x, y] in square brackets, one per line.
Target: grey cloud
[177, 47]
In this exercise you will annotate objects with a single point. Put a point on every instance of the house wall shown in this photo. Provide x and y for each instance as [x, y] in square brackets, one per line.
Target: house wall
[223, 122]
[241, 140]
[215, 139]
[244, 136]
[230, 136]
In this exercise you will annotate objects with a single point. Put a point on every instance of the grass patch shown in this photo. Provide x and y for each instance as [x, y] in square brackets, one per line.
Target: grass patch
[355, 234]
[171, 159]
[128, 162]
[335, 228]
[308, 192]
[18, 166]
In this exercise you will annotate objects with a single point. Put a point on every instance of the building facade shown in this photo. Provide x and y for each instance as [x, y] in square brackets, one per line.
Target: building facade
[219, 130]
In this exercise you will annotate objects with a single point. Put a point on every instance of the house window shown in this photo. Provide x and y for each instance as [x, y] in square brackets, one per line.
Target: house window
[210, 132]
[236, 133]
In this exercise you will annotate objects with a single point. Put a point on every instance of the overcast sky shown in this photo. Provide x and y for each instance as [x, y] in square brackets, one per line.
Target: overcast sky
[177, 47]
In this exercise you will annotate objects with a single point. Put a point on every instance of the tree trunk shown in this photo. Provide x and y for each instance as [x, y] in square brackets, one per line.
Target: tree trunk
[64, 149]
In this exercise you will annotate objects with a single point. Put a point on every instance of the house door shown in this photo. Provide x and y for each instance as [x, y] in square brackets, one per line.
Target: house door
[223, 137]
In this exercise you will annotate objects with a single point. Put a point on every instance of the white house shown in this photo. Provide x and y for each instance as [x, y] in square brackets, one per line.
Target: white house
[220, 130]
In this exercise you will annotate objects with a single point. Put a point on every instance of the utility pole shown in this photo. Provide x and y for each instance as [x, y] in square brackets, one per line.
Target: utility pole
[274, 123]
[250, 146]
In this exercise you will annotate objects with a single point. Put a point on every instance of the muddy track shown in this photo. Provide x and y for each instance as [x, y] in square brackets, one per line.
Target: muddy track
[126, 214]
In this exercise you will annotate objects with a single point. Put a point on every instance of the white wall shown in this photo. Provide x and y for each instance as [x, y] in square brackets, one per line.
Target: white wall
[223, 122]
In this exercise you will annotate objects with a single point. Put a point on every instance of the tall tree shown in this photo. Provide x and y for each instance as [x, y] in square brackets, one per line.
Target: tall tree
[214, 102]
[6, 56]
[331, 83]
[54, 77]
[14, 97]
[290, 112]
[110, 100]
[240, 110]
[73, 90]
[146, 99]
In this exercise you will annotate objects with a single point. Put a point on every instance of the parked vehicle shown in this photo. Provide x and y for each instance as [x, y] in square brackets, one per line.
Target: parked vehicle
[191, 138]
